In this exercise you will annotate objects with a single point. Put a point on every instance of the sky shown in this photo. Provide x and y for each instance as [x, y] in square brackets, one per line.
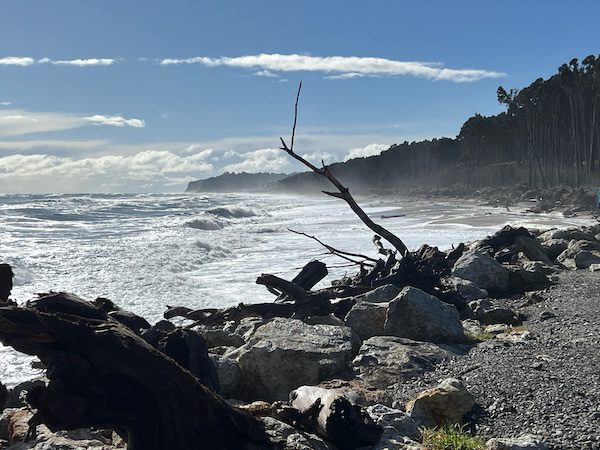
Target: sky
[144, 96]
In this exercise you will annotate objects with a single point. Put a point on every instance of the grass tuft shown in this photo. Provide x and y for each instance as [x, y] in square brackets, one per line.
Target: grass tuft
[479, 337]
[453, 437]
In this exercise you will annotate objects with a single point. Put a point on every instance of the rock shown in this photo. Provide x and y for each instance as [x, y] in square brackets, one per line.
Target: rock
[229, 374]
[367, 319]
[392, 440]
[68, 440]
[532, 249]
[399, 420]
[468, 290]
[554, 247]
[289, 438]
[416, 315]
[329, 319]
[487, 313]
[472, 327]
[594, 267]
[522, 280]
[496, 328]
[524, 442]
[382, 294]
[483, 270]
[545, 315]
[286, 353]
[584, 259]
[567, 234]
[247, 327]
[220, 338]
[385, 360]
[445, 404]
[537, 266]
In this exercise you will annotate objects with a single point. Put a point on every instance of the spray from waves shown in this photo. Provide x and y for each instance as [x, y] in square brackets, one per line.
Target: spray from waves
[208, 223]
[233, 212]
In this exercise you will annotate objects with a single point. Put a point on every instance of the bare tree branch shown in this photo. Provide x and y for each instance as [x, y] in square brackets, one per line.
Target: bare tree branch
[335, 251]
[343, 191]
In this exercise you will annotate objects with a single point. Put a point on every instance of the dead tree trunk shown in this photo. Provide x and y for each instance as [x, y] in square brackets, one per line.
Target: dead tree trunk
[103, 375]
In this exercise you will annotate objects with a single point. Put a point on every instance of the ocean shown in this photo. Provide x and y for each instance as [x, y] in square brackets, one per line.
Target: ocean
[146, 251]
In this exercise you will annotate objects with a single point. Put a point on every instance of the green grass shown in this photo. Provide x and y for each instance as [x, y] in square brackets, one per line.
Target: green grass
[451, 438]
[479, 337]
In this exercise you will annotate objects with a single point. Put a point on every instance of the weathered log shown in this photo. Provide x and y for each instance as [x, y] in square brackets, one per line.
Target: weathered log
[3, 397]
[311, 274]
[335, 417]
[102, 374]
[6, 282]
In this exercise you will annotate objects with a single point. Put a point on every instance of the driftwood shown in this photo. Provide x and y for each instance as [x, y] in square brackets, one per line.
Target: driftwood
[102, 374]
[334, 416]
[311, 274]
[6, 282]
[343, 192]
[348, 256]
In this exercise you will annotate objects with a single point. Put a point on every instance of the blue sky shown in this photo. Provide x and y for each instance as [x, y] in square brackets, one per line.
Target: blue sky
[146, 95]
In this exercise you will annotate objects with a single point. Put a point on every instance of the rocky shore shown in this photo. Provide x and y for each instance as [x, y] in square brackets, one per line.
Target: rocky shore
[508, 348]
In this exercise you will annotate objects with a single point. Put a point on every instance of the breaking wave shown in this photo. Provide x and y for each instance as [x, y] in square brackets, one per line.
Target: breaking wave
[208, 223]
[233, 212]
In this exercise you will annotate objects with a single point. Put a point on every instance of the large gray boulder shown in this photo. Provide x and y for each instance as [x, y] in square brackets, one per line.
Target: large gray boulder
[287, 353]
[367, 319]
[416, 315]
[287, 437]
[483, 270]
[382, 294]
[385, 360]
[487, 313]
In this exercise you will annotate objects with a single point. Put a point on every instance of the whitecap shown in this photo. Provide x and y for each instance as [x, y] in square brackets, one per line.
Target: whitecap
[207, 223]
[233, 212]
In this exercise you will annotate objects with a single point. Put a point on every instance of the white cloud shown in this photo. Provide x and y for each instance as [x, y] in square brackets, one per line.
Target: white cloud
[263, 160]
[362, 152]
[16, 61]
[17, 122]
[5, 103]
[79, 62]
[265, 73]
[23, 61]
[346, 66]
[115, 121]
[144, 171]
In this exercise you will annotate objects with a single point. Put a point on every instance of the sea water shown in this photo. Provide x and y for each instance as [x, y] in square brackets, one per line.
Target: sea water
[146, 251]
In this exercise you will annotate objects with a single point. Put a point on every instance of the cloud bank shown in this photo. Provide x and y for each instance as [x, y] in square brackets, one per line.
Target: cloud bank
[363, 152]
[150, 170]
[340, 66]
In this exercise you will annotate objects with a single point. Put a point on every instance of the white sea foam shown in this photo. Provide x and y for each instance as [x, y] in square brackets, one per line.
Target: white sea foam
[146, 251]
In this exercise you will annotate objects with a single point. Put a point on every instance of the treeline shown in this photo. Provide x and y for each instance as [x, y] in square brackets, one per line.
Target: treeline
[549, 135]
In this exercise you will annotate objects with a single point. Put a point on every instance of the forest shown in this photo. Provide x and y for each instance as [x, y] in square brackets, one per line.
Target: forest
[547, 136]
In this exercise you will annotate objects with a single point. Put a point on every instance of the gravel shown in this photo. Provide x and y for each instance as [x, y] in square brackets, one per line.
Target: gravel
[547, 385]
